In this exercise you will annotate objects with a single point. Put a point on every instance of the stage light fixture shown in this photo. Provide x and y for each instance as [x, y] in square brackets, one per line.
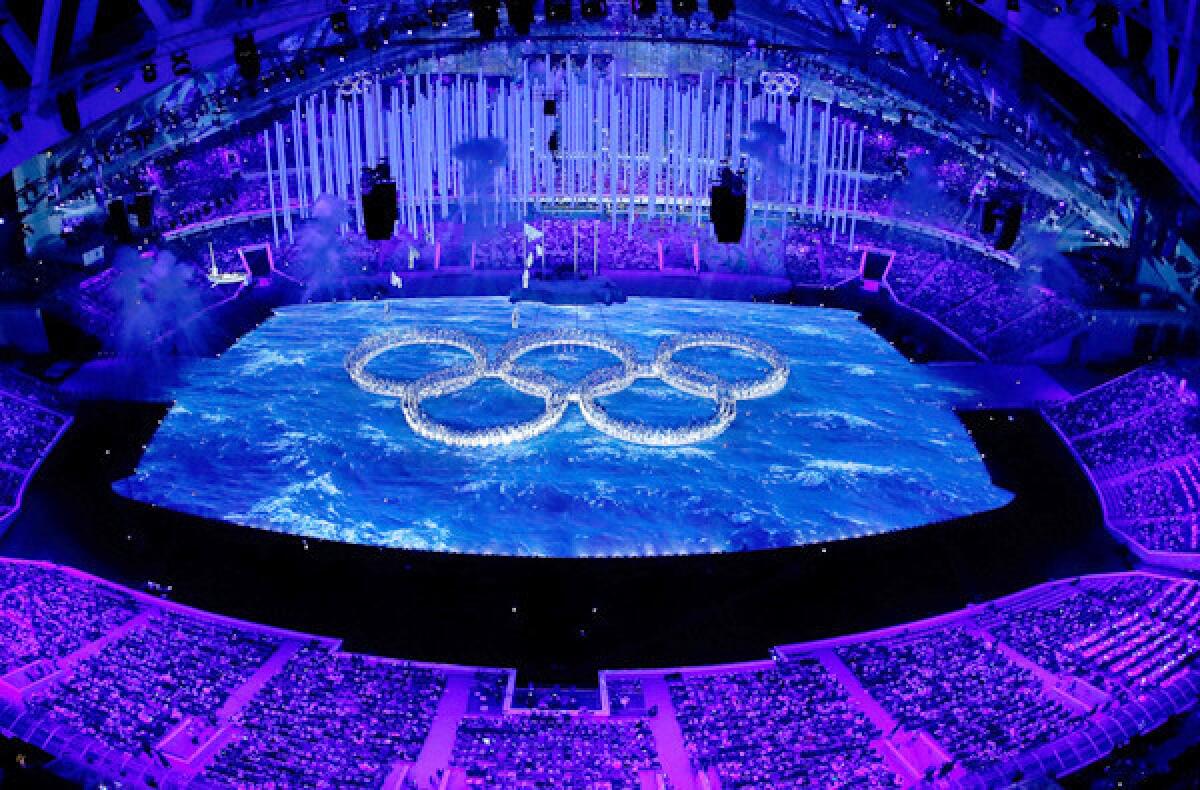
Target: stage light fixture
[149, 72]
[339, 23]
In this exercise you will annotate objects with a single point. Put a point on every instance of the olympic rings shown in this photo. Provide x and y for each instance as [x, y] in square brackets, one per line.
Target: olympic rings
[355, 84]
[779, 83]
[557, 395]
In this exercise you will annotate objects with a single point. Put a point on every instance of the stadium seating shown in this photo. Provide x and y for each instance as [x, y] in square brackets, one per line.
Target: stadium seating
[1139, 438]
[115, 678]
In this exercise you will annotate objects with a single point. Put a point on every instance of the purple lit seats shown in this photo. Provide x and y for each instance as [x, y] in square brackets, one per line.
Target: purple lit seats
[46, 615]
[1121, 634]
[1119, 400]
[955, 283]
[1142, 442]
[488, 691]
[1139, 437]
[1050, 319]
[626, 696]
[11, 482]
[330, 720]
[30, 389]
[980, 300]
[986, 686]
[134, 690]
[25, 431]
[1177, 535]
[545, 750]
[789, 725]
[974, 700]
[1155, 493]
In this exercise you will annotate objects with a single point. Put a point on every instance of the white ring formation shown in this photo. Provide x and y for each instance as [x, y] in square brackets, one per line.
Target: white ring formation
[557, 394]
[778, 83]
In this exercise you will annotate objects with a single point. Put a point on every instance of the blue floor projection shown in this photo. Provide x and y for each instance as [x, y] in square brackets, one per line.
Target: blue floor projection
[275, 434]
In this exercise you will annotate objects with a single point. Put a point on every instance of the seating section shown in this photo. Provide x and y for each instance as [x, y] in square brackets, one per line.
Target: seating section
[133, 691]
[974, 701]
[45, 615]
[1139, 437]
[122, 682]
[577, 752]
[982, 301]
[30, 422]
[790, 725]
[626, 696]
[329, 720]
[1121, 634]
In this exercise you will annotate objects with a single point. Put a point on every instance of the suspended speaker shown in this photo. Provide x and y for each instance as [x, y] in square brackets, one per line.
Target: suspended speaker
[380, 210]
[991, 213]
[728, 207]
[1010, 228]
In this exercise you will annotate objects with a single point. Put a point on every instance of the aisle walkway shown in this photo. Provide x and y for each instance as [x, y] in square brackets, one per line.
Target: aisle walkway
[435, 754]
[667, 734]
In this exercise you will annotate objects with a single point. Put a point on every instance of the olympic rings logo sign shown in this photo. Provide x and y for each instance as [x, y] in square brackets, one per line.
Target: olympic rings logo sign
[356, 84]
[557, 394]
[779, 83]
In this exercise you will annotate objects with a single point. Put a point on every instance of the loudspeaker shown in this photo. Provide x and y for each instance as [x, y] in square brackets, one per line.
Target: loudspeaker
[727, 210]
[380, 210]
[247, 57]
[520, 15]
[550, 107]
[68, 110]
[118, 221]
[644, 9]
[1010, 228]
[684, 8]
[143, 209]
[991, 212]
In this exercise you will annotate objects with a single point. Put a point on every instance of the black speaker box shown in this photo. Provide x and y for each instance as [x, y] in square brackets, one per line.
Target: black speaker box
[380, 211]
[728, 213]
[1010, 228]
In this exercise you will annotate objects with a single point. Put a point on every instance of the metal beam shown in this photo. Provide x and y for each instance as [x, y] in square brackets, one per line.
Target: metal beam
[1160, 42]
[47, 35]
[17, 41]
[85, 22]
[1060, 38]
[200, 9]
[157, 13]
[1186, 68]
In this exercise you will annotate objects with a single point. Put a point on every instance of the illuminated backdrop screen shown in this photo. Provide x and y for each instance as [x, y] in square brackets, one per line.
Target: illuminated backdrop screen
[275, 434]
